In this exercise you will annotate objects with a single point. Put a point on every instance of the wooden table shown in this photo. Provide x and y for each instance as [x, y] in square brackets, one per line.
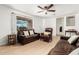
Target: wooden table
[12, 39]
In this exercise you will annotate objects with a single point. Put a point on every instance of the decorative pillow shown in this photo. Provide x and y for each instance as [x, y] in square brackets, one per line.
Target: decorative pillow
[72, 39]
[31, 32]
[46, 33]
[26, 33]
[68, 34]
[75, 52]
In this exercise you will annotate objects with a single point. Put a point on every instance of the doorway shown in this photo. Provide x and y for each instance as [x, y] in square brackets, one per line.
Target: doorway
[60, 26]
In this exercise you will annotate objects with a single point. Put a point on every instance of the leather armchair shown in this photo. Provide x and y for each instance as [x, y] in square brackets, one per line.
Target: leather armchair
[47, 38]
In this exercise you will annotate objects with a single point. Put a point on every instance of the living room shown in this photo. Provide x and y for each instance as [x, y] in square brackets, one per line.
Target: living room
[63, 18]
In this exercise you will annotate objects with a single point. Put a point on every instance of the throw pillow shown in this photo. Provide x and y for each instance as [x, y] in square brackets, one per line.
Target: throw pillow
[31, 32]
[26, 33]
[72, 39]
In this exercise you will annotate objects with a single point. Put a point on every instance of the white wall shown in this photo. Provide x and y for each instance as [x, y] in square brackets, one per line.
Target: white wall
[41, 23]
[51, 22]
[77, 22]
[5, 24]
[38, 24]
[15, 13]
[8, 23]
[13, 23]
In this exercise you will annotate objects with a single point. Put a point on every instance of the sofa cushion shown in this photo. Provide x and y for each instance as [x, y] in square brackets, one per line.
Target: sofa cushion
[34, 35]
[72, 39]
[28, 37]
[31, 32]
[26, 33]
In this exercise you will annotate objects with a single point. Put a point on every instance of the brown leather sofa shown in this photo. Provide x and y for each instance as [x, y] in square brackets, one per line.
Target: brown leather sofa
[47, 38]
[22, 39]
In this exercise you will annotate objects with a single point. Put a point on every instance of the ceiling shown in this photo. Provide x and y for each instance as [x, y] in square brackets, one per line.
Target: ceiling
[32, 9]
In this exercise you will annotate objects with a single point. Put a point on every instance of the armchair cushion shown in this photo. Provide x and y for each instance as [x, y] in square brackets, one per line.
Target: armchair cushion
[46, 33]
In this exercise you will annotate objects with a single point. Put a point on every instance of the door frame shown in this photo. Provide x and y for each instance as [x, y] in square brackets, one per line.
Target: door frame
[61, 18]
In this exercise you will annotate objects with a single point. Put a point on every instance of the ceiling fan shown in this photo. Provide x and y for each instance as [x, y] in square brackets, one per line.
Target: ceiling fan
[46, 8]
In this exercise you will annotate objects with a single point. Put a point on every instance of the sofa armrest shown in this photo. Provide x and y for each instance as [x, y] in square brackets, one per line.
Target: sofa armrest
[36, 33]
[64, 37]
[49, 34]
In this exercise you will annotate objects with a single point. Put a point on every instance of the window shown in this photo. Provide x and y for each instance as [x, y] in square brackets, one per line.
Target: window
[22, 23]
[70, 21]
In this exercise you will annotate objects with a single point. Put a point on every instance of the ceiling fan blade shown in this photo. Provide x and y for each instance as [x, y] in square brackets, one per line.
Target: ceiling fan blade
[51, 10]
[51, 5]
[40, 7]
[40, 11]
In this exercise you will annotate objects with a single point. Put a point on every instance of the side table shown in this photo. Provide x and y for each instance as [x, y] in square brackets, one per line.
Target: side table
[12, 39]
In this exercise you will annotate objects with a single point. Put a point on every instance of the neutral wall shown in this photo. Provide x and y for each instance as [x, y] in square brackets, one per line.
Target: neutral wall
[5, 24]
[40, 23]
[8, 23]
[76, 23]
[51, 22]
[15, 13]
